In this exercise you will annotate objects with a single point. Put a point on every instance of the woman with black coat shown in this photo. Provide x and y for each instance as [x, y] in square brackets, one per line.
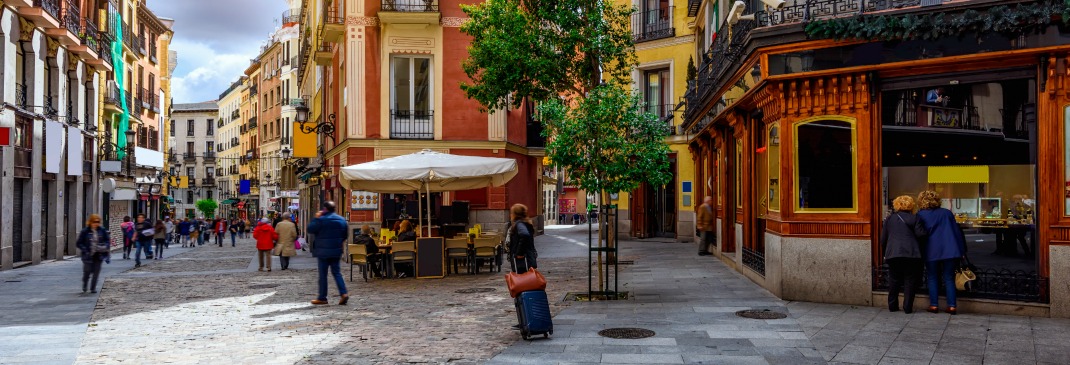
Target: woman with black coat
[902, 237]
[522, 239]
[95, 245]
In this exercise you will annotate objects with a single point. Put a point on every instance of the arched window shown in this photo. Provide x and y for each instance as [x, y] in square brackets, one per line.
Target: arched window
[825, 165]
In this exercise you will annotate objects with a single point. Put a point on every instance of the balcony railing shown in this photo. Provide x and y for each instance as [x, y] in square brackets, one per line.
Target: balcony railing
[235, 114]
[410, 5]
[291, 16]
[91, 36]
[20, 95]
[653, 24]
[113, 96]
[412, 124]
[50, 107]
[208, 181]
[72, 18]
[103, 47]
[128, 36]
[209, 157]
[664, 113]
[252, 123]
[50, 6]
[189, 157]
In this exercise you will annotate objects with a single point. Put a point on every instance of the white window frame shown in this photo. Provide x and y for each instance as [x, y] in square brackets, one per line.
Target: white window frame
[412, 80]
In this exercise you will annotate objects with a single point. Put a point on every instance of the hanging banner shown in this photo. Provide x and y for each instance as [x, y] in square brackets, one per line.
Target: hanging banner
[54, 133]
[244, 187]
[363, 200]
[74, 151]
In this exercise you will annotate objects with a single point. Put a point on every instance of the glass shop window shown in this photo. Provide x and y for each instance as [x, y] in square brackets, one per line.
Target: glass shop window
[773, 163]
[825, 166]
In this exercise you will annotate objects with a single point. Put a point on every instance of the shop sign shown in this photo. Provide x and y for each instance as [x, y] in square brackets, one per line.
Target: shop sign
[566, 205]
[363, 200]
[288, 194]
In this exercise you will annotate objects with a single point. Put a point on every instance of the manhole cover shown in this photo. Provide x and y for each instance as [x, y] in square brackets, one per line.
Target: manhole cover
[627, 333]
[474, 290]
[263, 286]
[761, 314]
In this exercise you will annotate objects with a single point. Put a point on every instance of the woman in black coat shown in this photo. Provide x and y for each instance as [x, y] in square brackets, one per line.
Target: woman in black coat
[522, 239]
[95, 245]
[901, 241]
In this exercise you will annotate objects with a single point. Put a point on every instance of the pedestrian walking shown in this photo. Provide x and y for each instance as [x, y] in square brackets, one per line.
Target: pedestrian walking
[201, 230]
[246, 227]
[220, 231]
[946, 245]
[705, 226]
[143, 234]
[160, 237]
[901, 236]
[287, 235]
[128, 236]
[184, 229]
[265, 241]
[233, 231]
[522, 239]
[331, 231]
[95, 246]
[170, 228]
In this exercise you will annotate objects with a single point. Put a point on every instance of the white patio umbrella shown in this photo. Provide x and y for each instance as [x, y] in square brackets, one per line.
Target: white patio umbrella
[428, 171]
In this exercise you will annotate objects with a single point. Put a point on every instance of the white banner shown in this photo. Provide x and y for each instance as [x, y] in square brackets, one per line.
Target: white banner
[54, 133]
[149, 158]
[74, 151]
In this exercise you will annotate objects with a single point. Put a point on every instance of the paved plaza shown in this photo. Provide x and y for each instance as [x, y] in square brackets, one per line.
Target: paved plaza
[209, 305]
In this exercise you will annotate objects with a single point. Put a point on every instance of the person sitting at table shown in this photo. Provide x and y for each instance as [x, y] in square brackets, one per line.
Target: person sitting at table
[406, 232]
[365, 238]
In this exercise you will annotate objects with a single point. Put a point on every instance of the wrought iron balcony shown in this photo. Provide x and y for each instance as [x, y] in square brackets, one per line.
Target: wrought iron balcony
[20, 95]
[91, 36]
[112, 96]
[410, 5]
[236, 114]
[189, 157]
[50, 6]
[209, 157]
[412, 124]
[291, 16]
[664, 113]
[653, 24]
[208, 181]
[252, 123]
[50, 107]
[693, 7]
[72, 18]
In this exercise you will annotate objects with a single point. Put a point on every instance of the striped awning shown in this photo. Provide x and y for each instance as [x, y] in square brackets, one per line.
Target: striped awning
[958, 174]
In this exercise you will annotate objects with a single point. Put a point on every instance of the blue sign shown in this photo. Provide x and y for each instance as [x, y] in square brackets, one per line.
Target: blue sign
[686, 186]
[244, 187]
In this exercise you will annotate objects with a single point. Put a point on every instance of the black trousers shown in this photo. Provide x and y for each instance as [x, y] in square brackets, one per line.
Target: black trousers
[904, 275]
[91, 269]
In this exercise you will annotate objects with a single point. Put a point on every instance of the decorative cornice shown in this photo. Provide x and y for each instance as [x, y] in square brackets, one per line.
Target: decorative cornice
[25, 30]
[666, 42]
[368, 21]
[453, 22]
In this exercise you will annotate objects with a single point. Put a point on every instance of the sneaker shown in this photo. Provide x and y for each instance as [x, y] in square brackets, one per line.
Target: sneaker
[319, 302]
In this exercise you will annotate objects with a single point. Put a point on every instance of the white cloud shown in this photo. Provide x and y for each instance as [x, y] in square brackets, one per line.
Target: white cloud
[209, 73]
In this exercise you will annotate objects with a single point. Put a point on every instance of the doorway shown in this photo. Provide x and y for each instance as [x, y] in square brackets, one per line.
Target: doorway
[653, 210]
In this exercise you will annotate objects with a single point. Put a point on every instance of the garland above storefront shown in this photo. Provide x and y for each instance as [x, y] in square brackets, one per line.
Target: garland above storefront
[1015, 20]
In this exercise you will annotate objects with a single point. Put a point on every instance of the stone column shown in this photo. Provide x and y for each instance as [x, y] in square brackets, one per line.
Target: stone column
[9, 29]
[35, 90]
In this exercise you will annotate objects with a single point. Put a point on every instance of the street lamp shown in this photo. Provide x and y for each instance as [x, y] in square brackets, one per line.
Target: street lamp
[326, 128]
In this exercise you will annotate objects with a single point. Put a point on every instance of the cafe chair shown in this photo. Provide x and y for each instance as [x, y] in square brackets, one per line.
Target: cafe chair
[358, 256]
[456, 251]
[486, 249]
[404, 252]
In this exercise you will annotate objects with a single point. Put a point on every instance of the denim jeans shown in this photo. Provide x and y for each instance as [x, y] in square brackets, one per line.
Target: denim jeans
[185, 240]
[143, 244]
[232, 237]
[946, 274]
[159, 247]
[200, 239]
[333, 264]
[219, 239]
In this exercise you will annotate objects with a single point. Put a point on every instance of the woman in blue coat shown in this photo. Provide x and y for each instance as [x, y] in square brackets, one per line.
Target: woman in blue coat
[946, 246]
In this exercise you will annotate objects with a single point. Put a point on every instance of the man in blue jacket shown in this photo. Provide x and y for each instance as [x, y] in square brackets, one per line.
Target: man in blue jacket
[330, 230]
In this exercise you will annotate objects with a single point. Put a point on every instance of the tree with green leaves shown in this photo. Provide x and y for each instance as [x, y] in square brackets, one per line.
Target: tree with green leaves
[574, 58]
[207, 207]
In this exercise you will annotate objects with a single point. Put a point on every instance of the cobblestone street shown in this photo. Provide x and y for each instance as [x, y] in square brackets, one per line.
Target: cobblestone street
[211, 306]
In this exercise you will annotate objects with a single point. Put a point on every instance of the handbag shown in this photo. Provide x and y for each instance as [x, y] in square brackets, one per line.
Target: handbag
[528, 281]
[964, 276]
[297, 243]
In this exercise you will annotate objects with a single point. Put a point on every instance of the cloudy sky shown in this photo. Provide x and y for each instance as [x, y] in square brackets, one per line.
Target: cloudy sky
[215, 40]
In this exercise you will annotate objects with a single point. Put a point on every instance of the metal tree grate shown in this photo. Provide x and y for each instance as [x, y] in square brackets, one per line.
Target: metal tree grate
[263, 286]
[474, 290]
[626, 333]
[761, 314]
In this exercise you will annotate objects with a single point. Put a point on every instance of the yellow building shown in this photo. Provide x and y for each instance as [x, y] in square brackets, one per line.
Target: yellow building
[664, 44]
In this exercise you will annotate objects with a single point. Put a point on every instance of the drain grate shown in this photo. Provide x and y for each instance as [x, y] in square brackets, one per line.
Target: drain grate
[474, 290]
[626, 333]
[263, 286]
[761, 314]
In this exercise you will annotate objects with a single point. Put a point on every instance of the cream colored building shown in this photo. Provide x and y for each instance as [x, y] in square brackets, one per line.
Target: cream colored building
[228, 143]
